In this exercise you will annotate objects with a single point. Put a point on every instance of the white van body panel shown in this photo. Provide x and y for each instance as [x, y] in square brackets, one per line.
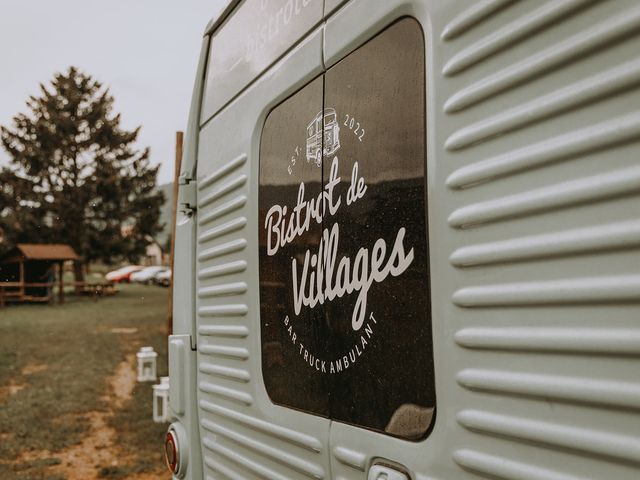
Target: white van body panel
[236, 416]
[533, 116]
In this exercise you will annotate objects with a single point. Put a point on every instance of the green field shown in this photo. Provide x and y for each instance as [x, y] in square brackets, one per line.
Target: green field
[69, 404]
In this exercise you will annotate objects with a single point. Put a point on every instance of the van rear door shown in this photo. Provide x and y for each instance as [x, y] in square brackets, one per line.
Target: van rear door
[531, 178]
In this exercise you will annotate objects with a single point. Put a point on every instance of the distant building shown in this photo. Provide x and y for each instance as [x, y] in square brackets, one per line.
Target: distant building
[153, 254]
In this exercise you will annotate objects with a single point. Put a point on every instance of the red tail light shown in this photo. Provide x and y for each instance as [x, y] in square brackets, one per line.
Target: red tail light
[172, 452]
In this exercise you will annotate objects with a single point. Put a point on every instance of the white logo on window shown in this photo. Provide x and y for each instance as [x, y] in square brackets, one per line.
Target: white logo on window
[323, 128]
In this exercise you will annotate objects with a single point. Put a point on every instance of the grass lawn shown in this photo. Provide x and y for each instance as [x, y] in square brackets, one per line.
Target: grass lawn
[68, 390]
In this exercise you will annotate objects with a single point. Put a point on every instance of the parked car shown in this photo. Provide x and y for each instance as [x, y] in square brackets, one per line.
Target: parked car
[123, 274]
[163, 278]
[146, 275]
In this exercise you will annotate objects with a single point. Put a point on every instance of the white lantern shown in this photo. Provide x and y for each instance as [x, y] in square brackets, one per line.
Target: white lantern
[147, 364]
[161, 401]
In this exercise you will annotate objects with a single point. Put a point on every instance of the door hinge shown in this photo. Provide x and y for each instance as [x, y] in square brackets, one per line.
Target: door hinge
[187, 195]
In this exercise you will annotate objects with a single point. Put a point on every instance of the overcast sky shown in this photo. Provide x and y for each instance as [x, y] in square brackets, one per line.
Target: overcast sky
[146, 51]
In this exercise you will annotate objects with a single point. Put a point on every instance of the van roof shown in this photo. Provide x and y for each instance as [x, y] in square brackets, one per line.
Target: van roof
[220, 14]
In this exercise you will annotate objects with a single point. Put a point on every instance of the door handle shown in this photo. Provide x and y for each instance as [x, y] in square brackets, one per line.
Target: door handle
[382, 472]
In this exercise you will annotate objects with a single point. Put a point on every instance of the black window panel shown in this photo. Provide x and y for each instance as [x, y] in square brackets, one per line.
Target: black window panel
[378, 94]
[363, 349]
[282, 170]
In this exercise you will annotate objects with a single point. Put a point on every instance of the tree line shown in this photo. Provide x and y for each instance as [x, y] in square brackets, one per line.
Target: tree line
[75, 175]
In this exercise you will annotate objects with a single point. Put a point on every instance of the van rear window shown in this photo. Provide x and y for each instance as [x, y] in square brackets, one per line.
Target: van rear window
[344, 268]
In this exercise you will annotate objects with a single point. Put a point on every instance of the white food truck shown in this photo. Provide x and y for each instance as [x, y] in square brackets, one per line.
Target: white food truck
[407, 243]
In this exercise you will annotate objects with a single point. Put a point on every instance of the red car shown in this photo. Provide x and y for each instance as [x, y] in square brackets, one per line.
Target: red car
[123, 274]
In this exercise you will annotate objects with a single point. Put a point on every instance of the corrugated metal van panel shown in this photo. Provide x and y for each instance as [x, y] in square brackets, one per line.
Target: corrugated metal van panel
[244, 436]
[533, 117]
[539, 130]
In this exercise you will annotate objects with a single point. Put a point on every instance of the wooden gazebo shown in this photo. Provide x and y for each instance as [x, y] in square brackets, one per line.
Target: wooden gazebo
[27, 273]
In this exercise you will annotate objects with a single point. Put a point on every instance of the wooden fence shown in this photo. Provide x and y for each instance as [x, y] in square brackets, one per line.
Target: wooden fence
[17, 291]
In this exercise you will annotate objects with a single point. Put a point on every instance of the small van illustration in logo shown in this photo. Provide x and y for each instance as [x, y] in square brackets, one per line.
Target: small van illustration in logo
[315, 131]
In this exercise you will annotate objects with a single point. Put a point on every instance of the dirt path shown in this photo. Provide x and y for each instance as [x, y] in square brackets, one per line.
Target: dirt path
[97, 449]
[11, 389]
[80, 461]
[123, 381]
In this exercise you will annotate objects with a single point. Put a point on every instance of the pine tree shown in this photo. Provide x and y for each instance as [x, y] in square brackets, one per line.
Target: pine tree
[75, 175]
